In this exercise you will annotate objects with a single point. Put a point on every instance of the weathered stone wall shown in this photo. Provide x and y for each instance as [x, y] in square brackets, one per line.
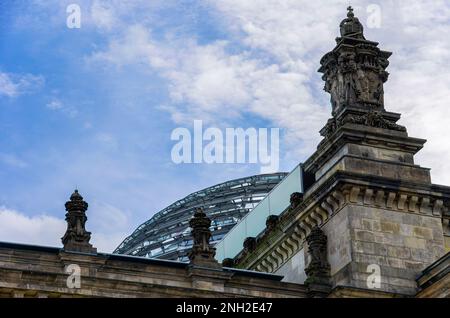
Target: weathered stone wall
[30, 271]
[294, 269]
[338, 231]
[402, 244]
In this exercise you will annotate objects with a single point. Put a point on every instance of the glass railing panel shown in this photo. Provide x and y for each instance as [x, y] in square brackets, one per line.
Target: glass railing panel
[255, 221]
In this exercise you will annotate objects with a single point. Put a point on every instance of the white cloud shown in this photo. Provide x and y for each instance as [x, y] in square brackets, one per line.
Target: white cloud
[58, 105]
[272, 70]
[419, 85]
[12, 160]
[55, 104]
[267, 65]
[109, 226]
[7, 87]
[208, 83]
[107, 140]
[36, 230]
[103, 14]
[12, 85]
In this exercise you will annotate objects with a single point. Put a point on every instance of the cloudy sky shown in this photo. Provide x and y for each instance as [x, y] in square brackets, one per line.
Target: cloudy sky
[94, 107]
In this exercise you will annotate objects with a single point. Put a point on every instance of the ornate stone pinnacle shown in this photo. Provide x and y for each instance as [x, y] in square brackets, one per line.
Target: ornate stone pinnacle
[202, 253]
[76, 237]
[318, 270]
[271, 222]
[249, 244]
[295, 199]
[354, 72]
[351, 27]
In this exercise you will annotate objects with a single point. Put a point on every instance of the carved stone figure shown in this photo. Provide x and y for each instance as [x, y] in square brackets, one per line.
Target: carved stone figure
[363, 86]
[355, 71]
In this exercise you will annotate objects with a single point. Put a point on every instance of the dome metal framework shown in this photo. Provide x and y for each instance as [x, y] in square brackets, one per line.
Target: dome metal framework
[167, 234]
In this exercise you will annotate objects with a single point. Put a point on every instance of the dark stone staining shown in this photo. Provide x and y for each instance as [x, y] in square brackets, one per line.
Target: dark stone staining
[76, 238]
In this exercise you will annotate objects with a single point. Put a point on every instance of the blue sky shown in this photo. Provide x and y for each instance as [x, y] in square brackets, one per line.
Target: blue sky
[94, 107]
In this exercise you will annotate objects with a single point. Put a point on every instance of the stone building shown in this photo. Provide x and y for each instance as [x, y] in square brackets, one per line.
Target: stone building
[370, 223]
[78, 270]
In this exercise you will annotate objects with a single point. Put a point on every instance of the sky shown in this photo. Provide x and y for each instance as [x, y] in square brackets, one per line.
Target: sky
[94, 107]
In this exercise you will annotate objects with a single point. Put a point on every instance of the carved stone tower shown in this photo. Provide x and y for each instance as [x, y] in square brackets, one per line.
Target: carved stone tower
[202, 253]
[383, 218]
[355, 71]
[354, 74]
[381, 208]
[76, 238]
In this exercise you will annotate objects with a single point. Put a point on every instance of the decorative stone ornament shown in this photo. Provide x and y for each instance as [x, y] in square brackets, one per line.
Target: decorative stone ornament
[249, 244]
[295, 199]
[355, 71]
[271, 222]
[351, 27]
[318, 270]
[228, 262]
[76, 238]
[202, 253]
[370, 119]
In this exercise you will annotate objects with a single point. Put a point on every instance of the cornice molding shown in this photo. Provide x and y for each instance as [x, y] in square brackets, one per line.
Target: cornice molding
[277, 246]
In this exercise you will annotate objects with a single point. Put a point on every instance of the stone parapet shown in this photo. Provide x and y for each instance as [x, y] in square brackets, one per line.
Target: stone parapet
[33, 271]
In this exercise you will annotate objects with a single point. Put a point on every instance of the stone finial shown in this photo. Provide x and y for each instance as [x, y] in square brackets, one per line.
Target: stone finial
[351, 27]
[228, 262]
[202, 252]
[318, 270]
[249, 244]
[295, 199]
[76, 237]
[271, 222]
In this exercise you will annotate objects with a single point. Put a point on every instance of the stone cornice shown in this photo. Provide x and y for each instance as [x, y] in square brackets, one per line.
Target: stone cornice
[40, 272]
[354, 133]
[276, 247]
